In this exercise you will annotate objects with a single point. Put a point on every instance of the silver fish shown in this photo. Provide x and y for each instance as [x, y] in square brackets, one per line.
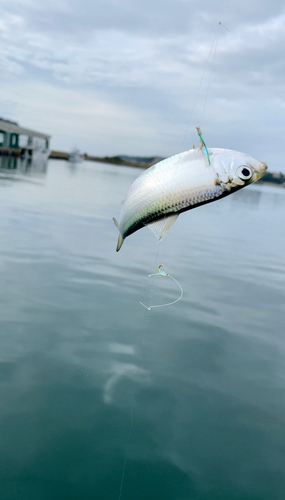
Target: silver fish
[181, 182]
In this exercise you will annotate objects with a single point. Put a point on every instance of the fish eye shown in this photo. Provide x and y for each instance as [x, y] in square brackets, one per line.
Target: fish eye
[244, 173]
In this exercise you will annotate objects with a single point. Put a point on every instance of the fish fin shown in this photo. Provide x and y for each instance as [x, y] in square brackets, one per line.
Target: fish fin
[116, 222]
[120, 239]
[120, 242]
[161, 227]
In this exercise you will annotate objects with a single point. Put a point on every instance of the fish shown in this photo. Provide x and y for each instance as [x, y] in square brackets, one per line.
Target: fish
[181, 182]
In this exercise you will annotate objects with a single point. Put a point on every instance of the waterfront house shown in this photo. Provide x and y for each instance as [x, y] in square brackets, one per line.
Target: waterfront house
[23, 142]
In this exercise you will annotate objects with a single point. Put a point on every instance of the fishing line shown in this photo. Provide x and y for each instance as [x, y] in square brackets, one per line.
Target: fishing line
[212, 66]
[209, 82]
[212, 51]
[221, 24]
[133, 402]
[162, 274]
[198, 91]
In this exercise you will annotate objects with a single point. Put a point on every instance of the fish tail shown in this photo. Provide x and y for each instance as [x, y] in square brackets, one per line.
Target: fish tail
[120, 239]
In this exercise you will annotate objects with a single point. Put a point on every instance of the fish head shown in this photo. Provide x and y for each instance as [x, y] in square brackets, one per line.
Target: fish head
[235, 169]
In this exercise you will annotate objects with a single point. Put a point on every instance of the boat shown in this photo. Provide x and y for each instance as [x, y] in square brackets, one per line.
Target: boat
[75, 156]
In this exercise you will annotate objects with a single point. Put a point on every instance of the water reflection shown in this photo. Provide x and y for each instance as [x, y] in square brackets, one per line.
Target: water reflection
[71, 166]
[15, 168]
[8, 162]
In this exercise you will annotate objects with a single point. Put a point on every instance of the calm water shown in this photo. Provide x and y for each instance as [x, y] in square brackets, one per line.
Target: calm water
[205, 377]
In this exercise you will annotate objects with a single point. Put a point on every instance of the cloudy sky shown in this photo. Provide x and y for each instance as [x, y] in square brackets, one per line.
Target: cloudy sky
[136, 76]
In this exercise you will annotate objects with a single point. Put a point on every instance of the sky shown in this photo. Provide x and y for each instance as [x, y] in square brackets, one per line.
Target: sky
[136, 77]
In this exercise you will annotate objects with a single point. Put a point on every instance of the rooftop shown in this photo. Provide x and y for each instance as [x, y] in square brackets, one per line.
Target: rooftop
[14, 128]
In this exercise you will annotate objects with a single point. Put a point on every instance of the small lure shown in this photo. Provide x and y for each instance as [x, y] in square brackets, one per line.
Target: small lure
[163, 274]
[203, 144]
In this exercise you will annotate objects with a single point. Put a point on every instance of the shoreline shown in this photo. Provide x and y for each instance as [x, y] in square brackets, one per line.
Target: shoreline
[275, 178]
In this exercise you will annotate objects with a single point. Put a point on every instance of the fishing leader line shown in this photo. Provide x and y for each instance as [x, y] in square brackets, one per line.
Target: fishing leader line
[133, 402]
[161, 273]
[198, 92]
[210, 76]
[212, 66]
[212, 52]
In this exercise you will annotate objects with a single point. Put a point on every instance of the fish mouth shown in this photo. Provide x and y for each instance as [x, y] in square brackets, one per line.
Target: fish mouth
[260, 172]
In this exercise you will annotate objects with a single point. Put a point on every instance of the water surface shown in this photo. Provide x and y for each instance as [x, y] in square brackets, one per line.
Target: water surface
[205, 377]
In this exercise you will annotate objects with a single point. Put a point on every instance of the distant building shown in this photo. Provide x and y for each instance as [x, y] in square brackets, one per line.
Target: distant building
[20, 141]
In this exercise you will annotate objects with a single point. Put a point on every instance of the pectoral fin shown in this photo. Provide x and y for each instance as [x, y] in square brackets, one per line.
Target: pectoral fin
[161, 227]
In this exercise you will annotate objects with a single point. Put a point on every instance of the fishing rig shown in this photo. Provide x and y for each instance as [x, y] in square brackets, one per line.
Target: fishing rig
[163, 274]
[160, 273]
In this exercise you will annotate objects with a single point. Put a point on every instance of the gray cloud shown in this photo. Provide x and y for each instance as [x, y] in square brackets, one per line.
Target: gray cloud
[139, 65]
[139, 16]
